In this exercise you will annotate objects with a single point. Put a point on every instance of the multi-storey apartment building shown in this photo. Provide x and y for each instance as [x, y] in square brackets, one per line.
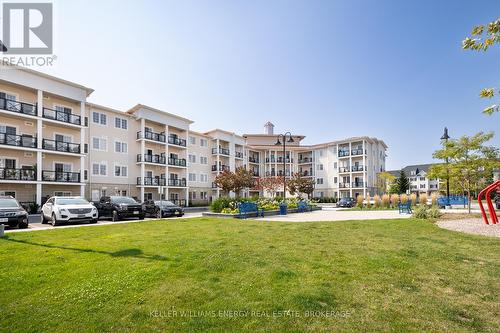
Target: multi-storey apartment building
[54, 142]
[418, 178]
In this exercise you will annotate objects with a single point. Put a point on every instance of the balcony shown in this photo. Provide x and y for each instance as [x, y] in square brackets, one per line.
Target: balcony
[18, 107]
[158, 137]
[356, 152]
[66, 147]
[180, 162]
[18, 174]
[253, 159]
[62, 116]
[287, 160]
[157, 159]
[177, 182]
[221, 168]
[221, 151]
[281, 174]
[343, 153]
[255, 173]
[238, 154]
[344, 185]
[270, 160]
[26, 141]
[305, 160]
[344, 169]
[60, 176]
[151, 181]
[174, 140]
[270, 173]
[358, 184]
[358, 168]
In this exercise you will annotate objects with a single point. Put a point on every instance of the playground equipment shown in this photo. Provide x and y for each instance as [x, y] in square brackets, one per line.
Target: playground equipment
[487, 195]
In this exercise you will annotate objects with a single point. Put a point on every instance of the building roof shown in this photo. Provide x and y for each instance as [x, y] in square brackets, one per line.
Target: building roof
[417, 167]
[142, 106]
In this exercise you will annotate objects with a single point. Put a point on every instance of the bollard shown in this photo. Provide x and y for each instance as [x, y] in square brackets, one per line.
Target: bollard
[2, 230]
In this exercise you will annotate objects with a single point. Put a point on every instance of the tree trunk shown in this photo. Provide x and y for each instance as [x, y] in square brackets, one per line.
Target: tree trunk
[468, 203]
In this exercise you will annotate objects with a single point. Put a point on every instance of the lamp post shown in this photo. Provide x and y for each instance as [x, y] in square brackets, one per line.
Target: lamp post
[278, 143]
[445, 137]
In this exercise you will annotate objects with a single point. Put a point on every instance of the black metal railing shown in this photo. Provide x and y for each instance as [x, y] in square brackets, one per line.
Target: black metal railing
[181, 162]
[270, 173]
[238, 154]
[19, 107]
[221, 168]
[358, 184]
[357, 152]
[159, 137]
[287, 160]
[175, 140]
[255, 173]
[151, 181]
[60, 176]
[343, 153]
[18, 140]
[181, 182]
[222, 151]
[18, 174]
[62, 146]
[61, 116]
[305, 160]
[252, 159]
[158, 159]
[358, 168]
[343, 169]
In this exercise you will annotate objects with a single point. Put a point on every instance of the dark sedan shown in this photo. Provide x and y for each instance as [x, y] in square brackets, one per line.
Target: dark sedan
[162, 208]
[346, 202]
[12, 213]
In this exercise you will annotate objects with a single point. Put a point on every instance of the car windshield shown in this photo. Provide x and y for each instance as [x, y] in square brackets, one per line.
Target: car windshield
[8, 203]
[123, 200]
[164, 203]
[71, 201]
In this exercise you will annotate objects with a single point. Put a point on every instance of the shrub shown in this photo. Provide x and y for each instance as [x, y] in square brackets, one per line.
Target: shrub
[434, 212]
[386, 201]
[421, 212]
[368, 201]
[404, 198]
[33, 208]
[423, 199]
[376, 201]
[359, 201]
[413, 198]
[394, 200]
[220, 203]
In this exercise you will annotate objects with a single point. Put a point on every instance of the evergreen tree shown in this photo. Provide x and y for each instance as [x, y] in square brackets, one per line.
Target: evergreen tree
[402, 183]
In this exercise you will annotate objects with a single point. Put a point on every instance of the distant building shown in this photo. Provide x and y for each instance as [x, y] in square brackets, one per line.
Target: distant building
[419, 182]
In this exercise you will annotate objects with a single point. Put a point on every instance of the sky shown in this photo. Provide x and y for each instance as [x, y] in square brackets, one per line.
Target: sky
[328, 70]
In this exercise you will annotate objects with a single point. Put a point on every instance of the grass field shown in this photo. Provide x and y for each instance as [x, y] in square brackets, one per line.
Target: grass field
[385, 275]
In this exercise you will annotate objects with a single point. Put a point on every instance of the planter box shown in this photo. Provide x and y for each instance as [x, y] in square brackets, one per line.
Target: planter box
[266, 213]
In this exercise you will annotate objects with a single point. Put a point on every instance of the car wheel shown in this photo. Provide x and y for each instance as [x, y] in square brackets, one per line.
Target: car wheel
[141, 217]
[93, 221]
[54, 220]
[115, 216]
[159, 213]
[43, 220]
[23, 224]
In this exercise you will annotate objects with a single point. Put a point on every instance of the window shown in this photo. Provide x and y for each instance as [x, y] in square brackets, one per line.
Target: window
[99, 144]
[99, 169]
[121, 147]
[62, 194]
[335, 165]
[203, 143]
[192, 195]
[203, 195]
[99, 118]
[85, 174]
[319, 181]
[192, 140]
[203, 160]
[192, 177]
[422, 178]
[8, 193]
[335, 180]
[320, 166]
[121, 123]
[203, 178]
[422, 185]
[120, 171]
[192, 158]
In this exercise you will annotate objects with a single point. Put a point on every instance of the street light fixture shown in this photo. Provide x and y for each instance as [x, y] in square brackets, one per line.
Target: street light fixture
[445, 137]
[278, 143]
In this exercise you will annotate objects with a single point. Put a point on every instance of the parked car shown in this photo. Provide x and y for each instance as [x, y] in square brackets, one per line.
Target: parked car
[346, 202]
[118, 207]
[12, 213]
[162, 208]
[59, 210]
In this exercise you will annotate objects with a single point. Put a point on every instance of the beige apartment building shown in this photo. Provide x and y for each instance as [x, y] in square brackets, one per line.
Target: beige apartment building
[54, 142]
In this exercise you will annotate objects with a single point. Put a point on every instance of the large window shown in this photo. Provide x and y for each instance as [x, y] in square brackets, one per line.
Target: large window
[203, 142]
[99, 118]
[99, 144]
[203, 160]
[99, 169]
[121, 147]
[120, 171]
[192, 177]
[121, 123]
[192, 158]
[192, 140]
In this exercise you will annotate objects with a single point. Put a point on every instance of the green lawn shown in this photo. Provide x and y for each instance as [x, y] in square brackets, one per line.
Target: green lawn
[387, 275]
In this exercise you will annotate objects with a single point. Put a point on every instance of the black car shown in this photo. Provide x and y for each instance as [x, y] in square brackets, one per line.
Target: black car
[162, 208]
[118, 208]
[12, 213]
[346, 202]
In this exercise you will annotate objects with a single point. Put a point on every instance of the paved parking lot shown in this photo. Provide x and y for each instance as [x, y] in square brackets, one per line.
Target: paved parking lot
[35, 224]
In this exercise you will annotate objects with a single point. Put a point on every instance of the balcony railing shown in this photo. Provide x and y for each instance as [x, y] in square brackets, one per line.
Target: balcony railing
[280, 173]
[62, 116]
[307, 173]
[151, 181]
[270, 173]
[159, 137]
[305, 160]
[18, 107]
[177, 182]
[270, 160]
[18, 140]
[158, 159]
[343, 169]
[358, 168]
[287, 160]
[60, 176]
[357, 152]
[174, 140]
[66, 147]
[180, 162]
[255, 173]
[343, 153]
[357, 184]
[221, 168]
[222, 151]
[238, 154]
[344, 185]
[18, 174]
[252, 159]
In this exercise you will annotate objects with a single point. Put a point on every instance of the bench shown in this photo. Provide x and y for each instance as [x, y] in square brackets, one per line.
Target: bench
[405, 208]
[249, 207]
[302, 206]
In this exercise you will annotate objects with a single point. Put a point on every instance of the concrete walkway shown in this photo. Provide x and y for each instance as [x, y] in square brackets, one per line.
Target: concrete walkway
[337, 215]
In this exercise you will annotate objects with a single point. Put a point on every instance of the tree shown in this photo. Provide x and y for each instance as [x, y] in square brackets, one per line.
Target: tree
[470, 162]
[225, 181]
[299, 184]
[384, 181]
[270, 184]
[234, 181]
[402, 183]
[481, 39]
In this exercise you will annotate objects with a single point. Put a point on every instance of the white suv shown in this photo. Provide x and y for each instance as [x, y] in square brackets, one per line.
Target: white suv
[68, 209]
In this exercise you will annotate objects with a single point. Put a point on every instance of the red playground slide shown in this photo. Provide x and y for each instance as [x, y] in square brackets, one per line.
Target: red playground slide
[487, 191]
